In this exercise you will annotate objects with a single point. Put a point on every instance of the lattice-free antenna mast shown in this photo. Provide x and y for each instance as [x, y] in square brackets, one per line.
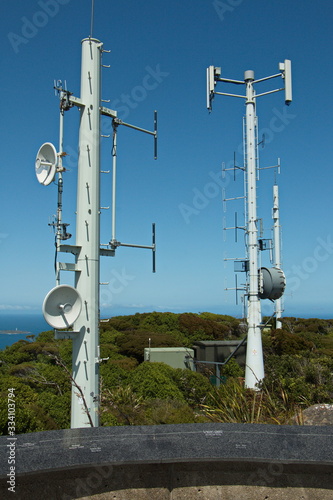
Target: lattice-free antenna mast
[87, 249]
[277, 249]
[256, 287]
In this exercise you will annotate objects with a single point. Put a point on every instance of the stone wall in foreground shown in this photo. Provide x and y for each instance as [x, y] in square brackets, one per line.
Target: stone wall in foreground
[173, 462]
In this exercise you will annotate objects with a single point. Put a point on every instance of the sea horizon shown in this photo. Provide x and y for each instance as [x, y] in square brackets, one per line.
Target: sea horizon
[33, 323]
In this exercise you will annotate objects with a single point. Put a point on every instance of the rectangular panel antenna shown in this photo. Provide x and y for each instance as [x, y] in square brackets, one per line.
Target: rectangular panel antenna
[210, 86]
[286, 69]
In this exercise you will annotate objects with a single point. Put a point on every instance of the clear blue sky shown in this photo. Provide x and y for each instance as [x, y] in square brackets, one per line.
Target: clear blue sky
[175, 41]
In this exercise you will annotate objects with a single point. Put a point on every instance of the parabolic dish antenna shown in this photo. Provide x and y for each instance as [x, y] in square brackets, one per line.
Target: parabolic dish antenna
[273, 283]
[46, 163]
[62, 306]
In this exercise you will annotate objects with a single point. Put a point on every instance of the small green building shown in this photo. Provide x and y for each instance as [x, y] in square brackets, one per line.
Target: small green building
[176, 357]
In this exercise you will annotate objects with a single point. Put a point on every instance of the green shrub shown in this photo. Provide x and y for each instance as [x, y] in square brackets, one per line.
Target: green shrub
[56, 407]
[161, 411]
[159, 322]
[232, 369]
[284, 342]
[194, 386]
[112, 375]
[155, 381]
[132, 343]
[45, 336]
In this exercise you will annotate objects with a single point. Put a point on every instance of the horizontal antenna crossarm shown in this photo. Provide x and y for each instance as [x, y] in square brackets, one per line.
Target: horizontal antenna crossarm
[118, 244]
[107, 252]
[120, 122]
[233, 168]
[240, 259]
[231, 95]
[75, 101]
[236, 198]
[228, 80]
[236, 288]
[269, 92]
[74, 249]
[235, 227]
[272, 166]
[108, 112]
[267, 78]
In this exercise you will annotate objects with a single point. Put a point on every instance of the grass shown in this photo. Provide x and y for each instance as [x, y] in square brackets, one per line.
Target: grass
[233, 403]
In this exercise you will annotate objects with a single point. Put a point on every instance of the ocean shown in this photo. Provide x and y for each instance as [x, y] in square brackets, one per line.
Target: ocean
[33, 324]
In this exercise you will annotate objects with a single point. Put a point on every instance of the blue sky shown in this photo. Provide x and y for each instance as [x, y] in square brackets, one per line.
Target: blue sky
[181, 192]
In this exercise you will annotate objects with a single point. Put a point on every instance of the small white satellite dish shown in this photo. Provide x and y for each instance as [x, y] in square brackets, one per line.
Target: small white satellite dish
[62, 306]
[46, 163]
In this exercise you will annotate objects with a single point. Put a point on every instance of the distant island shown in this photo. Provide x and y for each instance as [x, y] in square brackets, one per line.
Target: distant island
[10, 332]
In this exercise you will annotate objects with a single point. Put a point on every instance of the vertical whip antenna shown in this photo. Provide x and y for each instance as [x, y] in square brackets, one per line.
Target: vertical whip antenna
[92, 17]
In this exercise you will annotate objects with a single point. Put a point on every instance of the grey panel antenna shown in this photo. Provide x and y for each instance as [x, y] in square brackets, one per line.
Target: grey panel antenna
[287, 79]
[285, 68]
[210, 86]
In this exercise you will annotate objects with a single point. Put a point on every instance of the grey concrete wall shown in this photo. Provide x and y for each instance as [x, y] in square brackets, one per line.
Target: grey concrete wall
[179, 481]
[189, 462]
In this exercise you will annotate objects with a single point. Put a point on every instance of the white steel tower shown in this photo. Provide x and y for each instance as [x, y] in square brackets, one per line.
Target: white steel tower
[277, 249]
[254, 372]
[85, 344]
[78, 306]
[254, 355]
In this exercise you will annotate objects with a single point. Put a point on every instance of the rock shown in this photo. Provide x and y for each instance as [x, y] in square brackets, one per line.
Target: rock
[319, 414]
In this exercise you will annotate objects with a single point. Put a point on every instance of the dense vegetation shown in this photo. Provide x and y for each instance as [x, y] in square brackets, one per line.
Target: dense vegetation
[298, 366]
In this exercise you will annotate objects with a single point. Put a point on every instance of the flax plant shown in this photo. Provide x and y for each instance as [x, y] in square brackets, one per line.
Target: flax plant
[233, 403]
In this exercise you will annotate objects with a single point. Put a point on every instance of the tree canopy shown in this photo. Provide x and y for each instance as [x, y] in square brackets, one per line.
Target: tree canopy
[298, 373]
